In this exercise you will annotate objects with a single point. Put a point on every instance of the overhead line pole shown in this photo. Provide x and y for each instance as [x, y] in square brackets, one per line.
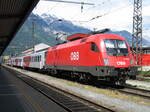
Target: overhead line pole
[137, 31]
[33, 33]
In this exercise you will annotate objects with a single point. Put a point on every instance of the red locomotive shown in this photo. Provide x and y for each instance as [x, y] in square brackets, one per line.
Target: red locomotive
[102, 56]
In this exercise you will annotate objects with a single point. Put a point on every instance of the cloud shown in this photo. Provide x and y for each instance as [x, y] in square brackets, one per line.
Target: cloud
[116, 14]
[146, 10]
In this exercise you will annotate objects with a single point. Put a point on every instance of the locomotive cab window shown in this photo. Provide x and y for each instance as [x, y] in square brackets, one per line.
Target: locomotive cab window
[115, 47]
[94, 47]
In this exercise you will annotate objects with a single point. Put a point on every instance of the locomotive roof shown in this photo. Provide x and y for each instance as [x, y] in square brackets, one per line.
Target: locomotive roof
[77, 36]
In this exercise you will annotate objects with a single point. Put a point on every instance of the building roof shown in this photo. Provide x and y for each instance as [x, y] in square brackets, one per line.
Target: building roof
[40, 47]
[37, 48]
[13, 13]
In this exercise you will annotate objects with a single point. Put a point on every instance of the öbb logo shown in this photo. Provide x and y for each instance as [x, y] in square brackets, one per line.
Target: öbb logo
[74, 56]
[121, 63]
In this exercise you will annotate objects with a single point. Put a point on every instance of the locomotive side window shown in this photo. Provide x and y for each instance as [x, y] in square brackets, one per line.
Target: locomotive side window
[94, 47]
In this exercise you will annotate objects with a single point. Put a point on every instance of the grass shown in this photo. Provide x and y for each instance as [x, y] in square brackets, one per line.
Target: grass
[144, 73]
[144, 76]
[107, 92]
[144, 87]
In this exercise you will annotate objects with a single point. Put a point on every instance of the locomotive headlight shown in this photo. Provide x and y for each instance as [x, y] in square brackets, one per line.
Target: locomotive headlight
[106, 61]
[131, 61]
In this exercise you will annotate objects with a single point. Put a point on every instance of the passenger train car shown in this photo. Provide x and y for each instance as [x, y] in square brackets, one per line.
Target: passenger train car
[16, 61]
[34, 60]
[86, 57]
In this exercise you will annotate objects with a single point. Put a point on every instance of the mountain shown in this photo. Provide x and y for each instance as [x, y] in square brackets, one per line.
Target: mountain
[128, 37]
[46, 29]
[63, 25]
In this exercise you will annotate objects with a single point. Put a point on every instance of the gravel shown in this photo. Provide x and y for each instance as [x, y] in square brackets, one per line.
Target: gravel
[139, 83]
[117, 104]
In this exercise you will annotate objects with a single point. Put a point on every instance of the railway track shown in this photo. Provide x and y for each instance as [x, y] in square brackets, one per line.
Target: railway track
[136, 92]
[69, 102]
[73, 103]
[128, 90]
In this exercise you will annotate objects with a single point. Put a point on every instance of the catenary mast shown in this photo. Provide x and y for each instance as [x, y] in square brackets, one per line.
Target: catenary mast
[137, 31]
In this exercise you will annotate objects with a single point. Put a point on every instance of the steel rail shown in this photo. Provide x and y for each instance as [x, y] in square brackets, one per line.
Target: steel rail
[136, 91]
[70, 106]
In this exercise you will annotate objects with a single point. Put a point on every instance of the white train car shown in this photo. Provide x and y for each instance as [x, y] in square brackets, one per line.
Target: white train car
[17, 61]
[34, 60]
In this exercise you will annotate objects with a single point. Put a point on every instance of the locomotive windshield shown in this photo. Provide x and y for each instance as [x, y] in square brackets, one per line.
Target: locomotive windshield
[116, 47]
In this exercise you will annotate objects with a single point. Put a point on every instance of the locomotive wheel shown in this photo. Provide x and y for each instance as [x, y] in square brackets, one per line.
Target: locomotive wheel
[84, 78]
[121, 81]
[81, 77]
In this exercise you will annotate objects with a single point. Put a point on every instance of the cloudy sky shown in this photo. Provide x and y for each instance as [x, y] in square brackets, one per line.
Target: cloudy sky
[114, 14]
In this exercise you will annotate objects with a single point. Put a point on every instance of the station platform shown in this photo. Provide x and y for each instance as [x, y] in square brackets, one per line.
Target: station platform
[17, 96]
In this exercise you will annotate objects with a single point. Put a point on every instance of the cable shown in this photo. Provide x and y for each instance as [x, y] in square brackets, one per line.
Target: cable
[105, 14]
[54, 6]
[118, 9]
[108, 1]
[72, 2]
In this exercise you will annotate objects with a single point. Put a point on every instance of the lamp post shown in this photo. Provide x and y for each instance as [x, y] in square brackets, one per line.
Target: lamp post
[33, 33]
[33, 30]
[51, 28]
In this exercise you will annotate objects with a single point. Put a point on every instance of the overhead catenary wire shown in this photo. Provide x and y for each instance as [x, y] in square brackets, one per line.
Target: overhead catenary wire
[113, 11]
[86, 10]
[82, 3]
[54, 6]
[102, 15]
[72, 2]
[93, 6]
[105, 14]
